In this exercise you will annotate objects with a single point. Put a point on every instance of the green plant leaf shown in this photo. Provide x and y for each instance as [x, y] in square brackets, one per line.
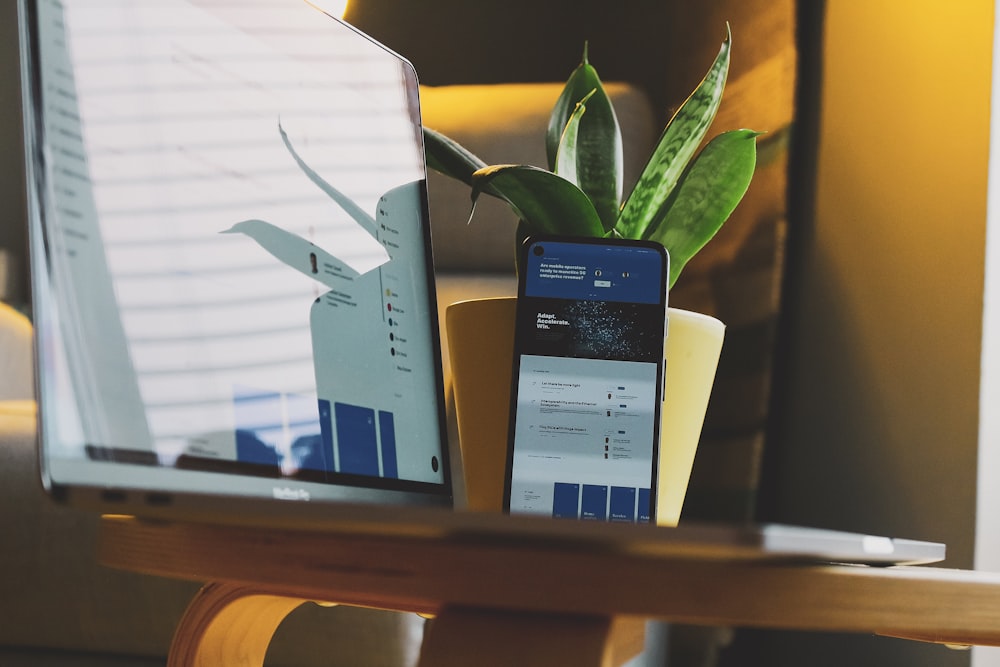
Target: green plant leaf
[566, 155]
[545, 202]
[581, 82]
[599, 151]
[679, 141]
[449, 157]
[705, 196]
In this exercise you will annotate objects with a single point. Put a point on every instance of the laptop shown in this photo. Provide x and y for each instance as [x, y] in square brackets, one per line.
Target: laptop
[230, 258]
[233, 285]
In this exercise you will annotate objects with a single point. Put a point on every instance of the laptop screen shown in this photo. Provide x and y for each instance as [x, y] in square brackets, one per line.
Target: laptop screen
[230, 253]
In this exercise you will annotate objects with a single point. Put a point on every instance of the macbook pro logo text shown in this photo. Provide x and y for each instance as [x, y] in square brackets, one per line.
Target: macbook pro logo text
[286, 493]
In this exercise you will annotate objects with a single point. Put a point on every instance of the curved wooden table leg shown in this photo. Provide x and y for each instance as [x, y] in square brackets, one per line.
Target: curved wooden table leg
[461, 636]
[228, 624]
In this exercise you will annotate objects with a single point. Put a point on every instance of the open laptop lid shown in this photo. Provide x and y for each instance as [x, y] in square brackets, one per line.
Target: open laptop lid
[232, 283]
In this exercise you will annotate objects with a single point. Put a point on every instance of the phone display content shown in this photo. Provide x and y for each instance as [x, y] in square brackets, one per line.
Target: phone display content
[588, 380]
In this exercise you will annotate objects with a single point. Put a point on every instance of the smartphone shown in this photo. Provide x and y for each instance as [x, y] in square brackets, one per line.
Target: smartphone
[588, 379]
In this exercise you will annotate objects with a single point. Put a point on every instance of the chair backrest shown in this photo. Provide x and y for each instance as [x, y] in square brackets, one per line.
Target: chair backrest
[738, 276]
[663, 48]
[17, 376]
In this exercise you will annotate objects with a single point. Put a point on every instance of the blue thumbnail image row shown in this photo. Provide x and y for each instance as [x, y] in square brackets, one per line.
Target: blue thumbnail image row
[358, 444]
[365, 438]
[600, 503]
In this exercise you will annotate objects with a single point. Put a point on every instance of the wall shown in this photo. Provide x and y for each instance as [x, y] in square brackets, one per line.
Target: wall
[880, 421]
[878, 411]
[988, 491]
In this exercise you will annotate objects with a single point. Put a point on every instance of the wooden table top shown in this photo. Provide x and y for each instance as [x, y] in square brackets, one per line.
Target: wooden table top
[428, 560]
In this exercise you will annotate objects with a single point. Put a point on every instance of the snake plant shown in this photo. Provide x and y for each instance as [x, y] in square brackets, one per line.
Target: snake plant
[680, 200]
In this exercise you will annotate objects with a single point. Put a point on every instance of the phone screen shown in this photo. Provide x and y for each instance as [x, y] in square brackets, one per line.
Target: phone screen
[588, 379]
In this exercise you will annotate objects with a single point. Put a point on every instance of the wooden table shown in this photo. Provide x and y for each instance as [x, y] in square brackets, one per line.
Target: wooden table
[517, 590]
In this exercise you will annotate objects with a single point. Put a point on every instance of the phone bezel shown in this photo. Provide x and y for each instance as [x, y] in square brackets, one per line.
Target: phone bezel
[523, 250]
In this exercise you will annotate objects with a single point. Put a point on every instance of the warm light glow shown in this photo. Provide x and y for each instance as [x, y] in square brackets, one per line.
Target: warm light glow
[332, 7]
